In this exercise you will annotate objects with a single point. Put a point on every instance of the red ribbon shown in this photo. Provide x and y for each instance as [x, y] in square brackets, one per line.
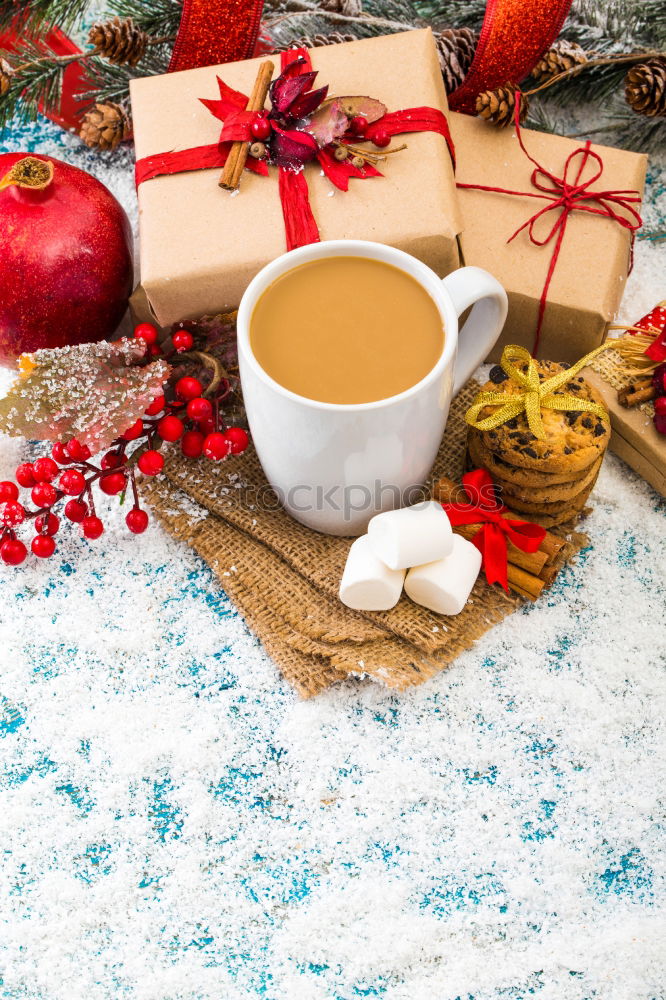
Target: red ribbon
[300, 225]
[215, 31]
[514, 35]
[565, 194]
[491, 540]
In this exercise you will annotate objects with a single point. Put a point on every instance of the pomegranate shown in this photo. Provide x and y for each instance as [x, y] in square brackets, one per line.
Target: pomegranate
[65, 256]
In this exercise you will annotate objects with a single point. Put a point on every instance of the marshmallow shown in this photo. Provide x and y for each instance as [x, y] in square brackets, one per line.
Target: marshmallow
[444, 585]
[367, 584]
[411, 536]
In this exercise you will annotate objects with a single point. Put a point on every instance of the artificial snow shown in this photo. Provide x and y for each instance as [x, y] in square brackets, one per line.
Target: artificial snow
[177, 825]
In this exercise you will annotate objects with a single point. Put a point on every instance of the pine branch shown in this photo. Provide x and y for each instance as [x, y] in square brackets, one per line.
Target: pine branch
[452, 13]
[157, 17]
[34, 13]
[111, 83]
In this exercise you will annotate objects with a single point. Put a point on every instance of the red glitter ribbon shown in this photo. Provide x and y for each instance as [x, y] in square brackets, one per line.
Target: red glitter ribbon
[215, 31]
[514, 35]
[230, 108]
[565, 194]
[491, 539]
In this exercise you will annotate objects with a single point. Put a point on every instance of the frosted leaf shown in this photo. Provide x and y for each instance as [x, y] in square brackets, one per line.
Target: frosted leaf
[92, 392]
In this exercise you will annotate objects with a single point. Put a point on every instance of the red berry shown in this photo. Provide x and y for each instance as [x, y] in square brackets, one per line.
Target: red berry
[59, 453]
[156, 406]
[72, 482]
[238, 440]
[358, 124]
[92, 527]
[77, 452]
[147, 332]
[135, 431]
[188, 387]
[659, 423]
[199, 408]
[170, 428]
[261, 128]
[8, 491]
[43, 546]
[151, 463]
[45, 470]
[381, 137]
[13, 552]
[207, 426]
[111, 460]
[659, 378]
[137, 521]
[216, 446]
[113, 483]
[659, 405]
[183, 341]
[24, 476]
[14, 514]
[192, 444]
[155, 350]
[47, 524]
[75, 510]
[44, 494]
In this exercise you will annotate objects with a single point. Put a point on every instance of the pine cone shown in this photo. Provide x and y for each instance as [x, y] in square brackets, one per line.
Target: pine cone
[562, 56]
[315, 41]
[455, 48]
[6, 74]
[105, 126]
[350, 8]
[645, 88]
[119, 41]
[497, 106]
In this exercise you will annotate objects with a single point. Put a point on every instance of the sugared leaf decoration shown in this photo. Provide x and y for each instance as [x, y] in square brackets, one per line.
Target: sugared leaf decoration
[365, 107]
[92, 392]
[292, 148]
[308, 103]
[329, 123]
[287, 89]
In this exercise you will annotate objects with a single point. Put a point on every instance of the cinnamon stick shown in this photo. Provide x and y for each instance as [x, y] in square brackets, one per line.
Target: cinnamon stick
[446, 491]
[235, 165]
[531, 562]
[636, 393]
[526, 584]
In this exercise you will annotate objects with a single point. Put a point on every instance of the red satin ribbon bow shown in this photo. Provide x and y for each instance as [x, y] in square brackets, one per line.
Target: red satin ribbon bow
[300, 225]
[491, 540]
[565, 194]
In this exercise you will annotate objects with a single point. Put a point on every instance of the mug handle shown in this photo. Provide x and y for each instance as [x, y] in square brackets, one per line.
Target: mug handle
[472, 286]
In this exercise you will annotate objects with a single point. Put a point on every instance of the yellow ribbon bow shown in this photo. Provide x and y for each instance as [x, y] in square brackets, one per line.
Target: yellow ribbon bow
[537, 396]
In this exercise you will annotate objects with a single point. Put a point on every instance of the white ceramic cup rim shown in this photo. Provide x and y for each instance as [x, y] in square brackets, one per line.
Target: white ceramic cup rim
[349, 248]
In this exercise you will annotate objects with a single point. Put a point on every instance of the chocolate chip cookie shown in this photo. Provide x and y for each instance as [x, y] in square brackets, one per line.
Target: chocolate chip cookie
[549, 494]
[574, 439]
[499, 468]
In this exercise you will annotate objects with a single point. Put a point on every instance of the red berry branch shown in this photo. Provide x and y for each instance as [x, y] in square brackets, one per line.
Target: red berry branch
[188, 411]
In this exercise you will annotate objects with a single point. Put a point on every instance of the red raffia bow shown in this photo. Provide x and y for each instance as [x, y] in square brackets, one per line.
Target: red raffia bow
[300, 225]
[491, 540]
[565, 194]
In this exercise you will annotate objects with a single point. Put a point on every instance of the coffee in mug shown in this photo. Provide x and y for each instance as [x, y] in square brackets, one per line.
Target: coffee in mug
[346, 329]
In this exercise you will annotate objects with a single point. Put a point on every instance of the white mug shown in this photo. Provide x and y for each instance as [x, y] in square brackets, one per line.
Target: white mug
[334, 466]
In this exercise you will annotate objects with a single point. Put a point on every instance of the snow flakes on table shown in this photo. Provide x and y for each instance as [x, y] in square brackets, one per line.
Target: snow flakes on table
[176, 825]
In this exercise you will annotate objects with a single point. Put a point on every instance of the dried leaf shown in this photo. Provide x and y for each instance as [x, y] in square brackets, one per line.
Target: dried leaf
[286, 90]
[292, 148]
[329, 123]
[92, 392]
[367, 107]
[306, 104]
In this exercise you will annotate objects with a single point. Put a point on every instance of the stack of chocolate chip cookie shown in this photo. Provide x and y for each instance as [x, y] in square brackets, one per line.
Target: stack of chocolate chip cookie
[546, 481]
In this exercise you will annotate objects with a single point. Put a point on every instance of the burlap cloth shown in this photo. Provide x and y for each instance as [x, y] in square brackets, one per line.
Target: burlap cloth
[284, 578]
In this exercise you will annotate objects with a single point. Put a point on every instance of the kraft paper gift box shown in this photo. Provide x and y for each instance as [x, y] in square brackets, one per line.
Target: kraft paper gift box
[201, 245]
[634, 437]
[591, 271]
